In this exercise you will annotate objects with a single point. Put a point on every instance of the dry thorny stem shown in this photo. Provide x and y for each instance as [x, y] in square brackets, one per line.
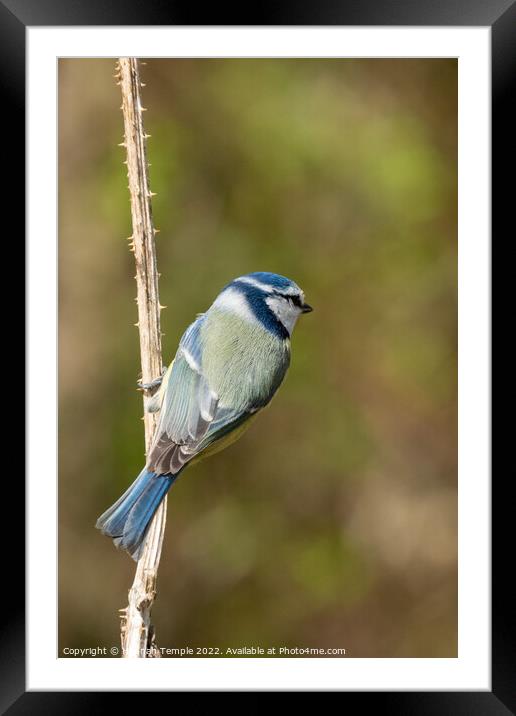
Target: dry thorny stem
[137, 633]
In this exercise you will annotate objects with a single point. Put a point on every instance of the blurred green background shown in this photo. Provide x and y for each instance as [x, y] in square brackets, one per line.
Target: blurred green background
[333, 522]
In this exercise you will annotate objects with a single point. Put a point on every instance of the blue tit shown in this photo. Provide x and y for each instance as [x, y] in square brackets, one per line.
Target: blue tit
[229, 364]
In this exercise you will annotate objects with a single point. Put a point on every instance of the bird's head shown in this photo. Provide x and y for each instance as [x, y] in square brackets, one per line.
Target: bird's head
[273, 300]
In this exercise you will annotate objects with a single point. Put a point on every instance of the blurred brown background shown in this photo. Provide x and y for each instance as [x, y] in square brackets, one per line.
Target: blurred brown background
[332, 523]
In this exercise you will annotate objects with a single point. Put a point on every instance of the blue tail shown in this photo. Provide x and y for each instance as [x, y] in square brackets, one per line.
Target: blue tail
[128, 519]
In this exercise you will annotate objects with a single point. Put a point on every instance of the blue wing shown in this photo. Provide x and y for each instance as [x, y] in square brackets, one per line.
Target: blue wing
[190, 417]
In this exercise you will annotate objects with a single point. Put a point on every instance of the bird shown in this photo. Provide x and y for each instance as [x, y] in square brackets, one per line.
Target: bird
[229, 364]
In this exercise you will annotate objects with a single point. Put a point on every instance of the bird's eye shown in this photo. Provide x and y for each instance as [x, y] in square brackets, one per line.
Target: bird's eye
[293, 299]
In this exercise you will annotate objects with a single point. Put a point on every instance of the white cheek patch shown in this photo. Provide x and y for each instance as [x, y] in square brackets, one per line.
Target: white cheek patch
[235, 302]
[284, 311]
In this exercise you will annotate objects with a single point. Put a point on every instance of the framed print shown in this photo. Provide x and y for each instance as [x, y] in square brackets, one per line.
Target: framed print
[338, 160]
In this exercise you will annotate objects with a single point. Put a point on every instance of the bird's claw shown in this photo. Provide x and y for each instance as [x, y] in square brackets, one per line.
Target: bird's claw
[148, 387]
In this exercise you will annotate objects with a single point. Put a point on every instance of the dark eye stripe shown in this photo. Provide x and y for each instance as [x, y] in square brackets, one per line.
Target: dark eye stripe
[291, 297]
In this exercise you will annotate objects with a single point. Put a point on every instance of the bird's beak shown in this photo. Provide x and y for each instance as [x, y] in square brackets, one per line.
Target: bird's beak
[306, 308]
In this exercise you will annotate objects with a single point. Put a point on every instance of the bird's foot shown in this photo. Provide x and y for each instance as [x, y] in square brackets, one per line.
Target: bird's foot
[149, 387]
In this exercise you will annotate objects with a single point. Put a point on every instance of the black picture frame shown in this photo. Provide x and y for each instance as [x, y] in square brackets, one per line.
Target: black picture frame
[500, 16]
